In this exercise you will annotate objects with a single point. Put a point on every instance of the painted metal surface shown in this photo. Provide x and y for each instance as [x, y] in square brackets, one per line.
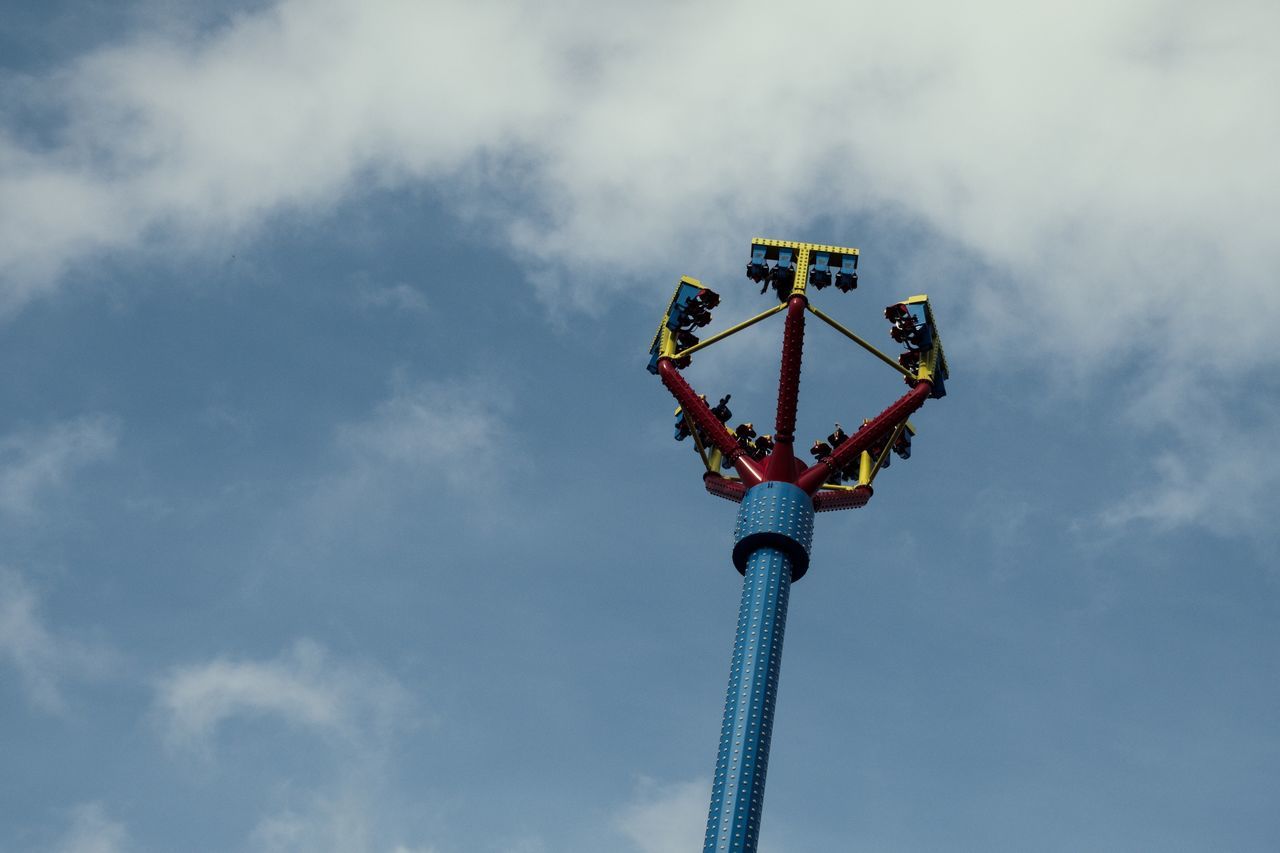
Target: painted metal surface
[721, 487]
[878, 427]
[772, 541]
[714, 430]
[789, 371]
[778, 492]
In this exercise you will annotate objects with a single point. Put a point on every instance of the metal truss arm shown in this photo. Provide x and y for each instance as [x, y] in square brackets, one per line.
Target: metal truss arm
[878, 466]
[862, 342]
[716, 432]
[830, 500]
[881, 425]
[732, 330]
[789, 373]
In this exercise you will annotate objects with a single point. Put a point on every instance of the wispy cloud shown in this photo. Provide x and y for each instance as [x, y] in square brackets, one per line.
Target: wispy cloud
[668, 818]
[303, 687]
[1099, 164]
[43, 660]
[423, 458]
[440, 430]
[355, 712]
[93, 831]
[292, 106]
[1013, 135]
[33, 462]
[1214, 469]
[401, 297]
[350, 822]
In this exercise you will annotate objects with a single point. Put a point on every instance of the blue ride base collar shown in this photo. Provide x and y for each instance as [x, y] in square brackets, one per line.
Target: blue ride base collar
[775, 515]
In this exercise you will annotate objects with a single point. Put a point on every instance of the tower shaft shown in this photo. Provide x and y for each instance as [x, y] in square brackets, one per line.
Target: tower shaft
[737, 795]
[775, 529]
[779, 493]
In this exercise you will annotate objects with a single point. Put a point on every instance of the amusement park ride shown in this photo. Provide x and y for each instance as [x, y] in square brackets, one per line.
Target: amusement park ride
[778, 492]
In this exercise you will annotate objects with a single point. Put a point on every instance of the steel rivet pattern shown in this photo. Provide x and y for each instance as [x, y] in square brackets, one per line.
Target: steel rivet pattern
[772, 514]
[733, 824]
[779, 515]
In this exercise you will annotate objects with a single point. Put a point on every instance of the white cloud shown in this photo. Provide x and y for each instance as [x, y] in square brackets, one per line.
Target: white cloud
[1108, 157]
[452, 431]
[304, 687]
[346, 823]
[666, 818]
[26, 643]
[93, 831]
[390, 470]
[1110, 167]
[672, 818]
[1215, 469]
[524, 845]
[33, 462]
[355, 711]
[288, 107]
[42, 659]
[399, 297]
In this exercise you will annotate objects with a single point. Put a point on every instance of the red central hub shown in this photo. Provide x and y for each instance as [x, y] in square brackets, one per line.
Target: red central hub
[781, 464]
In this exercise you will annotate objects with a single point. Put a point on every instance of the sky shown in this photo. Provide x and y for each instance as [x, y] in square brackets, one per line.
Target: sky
[338, 512]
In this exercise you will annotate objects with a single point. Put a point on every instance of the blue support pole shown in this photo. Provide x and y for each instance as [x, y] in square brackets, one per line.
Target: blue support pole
[772, 539]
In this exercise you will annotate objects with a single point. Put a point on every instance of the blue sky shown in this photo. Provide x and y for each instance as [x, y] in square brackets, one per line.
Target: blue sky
[338, 512]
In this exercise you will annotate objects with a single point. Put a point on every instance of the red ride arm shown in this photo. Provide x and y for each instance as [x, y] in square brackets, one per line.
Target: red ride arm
[789, 375]
[829, 501]
[812, 479]
[717, 433]
[731, 490]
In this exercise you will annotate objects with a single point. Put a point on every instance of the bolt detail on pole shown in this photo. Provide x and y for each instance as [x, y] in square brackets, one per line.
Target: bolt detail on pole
[778, 492]
[772, 539]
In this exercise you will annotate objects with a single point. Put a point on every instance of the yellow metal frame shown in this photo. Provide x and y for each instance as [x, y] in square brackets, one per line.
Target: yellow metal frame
[663, 338]
[803, 251]
[866, 345]
[869, 468]
[866, 471]
[693, 431]
[712, 459]
[933, 362]
[719, 336]
[888, 447]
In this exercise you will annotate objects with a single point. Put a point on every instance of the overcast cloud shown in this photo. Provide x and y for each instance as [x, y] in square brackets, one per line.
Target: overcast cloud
[1111, 162]
[1109, 167]
[302, 687]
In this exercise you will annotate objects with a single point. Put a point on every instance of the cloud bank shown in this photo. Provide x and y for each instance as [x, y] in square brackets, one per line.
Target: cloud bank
[44, 660]
[448, 430]
[1097, 155]
[304, 687]
[1097, 181]
[92, 830]
[349, 822]
[665, 818]
[33, 462]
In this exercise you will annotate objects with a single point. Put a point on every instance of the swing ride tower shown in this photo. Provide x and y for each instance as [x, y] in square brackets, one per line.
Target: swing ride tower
[778, 492]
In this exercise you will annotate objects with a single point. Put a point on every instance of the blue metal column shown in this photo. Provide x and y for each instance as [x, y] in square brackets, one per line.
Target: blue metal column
[772, 539]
